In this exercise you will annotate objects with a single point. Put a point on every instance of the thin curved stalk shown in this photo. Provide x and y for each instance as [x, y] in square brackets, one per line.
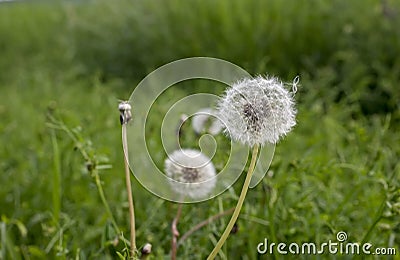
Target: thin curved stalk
[105, 203]
[59, 125]
[204, 223]
[239, 204]
[130, 198]
[175, 232]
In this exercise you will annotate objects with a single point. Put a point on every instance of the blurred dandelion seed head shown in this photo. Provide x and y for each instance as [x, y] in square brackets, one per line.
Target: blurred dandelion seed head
[192, 173]
[204, 116]
[257, 110]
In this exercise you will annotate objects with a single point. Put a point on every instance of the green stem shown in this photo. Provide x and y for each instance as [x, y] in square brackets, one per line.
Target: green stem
[378, 217]
[3, 235]
[239, 204]
[56, 192]
[58, 124]
[129, 191]
[104, 201]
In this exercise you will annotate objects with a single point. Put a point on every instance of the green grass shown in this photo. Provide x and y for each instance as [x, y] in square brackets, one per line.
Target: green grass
[337, 171]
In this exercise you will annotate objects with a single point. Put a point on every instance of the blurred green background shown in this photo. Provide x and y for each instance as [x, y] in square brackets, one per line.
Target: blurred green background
[66, 64]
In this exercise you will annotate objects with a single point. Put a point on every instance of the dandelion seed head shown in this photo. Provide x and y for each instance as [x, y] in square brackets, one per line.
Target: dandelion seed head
[192, 168]
[257, 110]
[215, 127]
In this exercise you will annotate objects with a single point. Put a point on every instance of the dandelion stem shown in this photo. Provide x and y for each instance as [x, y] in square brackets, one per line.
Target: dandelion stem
[129, 191]
[175, 232]
[239, 204]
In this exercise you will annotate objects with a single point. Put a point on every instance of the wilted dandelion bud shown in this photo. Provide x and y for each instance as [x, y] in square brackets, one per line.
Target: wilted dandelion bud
[192, 168]
[206, 121]
[125, 112]
[146, 249]
[257, 110]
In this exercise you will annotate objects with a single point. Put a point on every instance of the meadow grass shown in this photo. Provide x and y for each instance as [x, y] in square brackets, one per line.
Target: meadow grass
[337, 171]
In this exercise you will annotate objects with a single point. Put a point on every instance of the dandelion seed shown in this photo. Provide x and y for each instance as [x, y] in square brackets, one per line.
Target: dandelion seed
[202, 118]
[192, 168]
[257, 110]
[295, 83]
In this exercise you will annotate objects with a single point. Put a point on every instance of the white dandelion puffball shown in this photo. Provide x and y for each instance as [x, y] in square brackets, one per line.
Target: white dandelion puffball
[192, 173]
[257, 110]
[204, 117]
